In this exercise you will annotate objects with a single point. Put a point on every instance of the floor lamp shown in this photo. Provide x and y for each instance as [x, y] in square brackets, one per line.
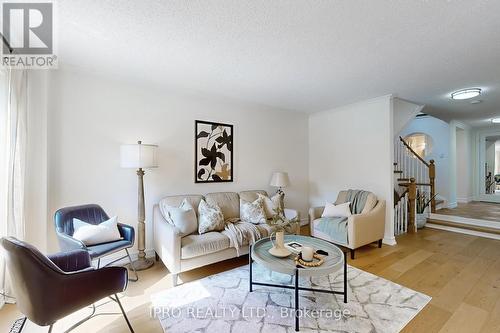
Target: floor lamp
[140, 156]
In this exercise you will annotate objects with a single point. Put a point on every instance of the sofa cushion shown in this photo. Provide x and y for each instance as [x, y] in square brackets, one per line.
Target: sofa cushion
[211, 217]
[198, 245]
[272, 204]
[332, 229]
[183, 218]
[371, 202]
[229, 203]
[253, 212]
[176, 200]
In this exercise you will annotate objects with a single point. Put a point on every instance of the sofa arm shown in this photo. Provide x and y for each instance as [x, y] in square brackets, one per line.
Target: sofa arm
[366, 228]
[75, 260]
[127, 232]
[167, 242]
[68, 243]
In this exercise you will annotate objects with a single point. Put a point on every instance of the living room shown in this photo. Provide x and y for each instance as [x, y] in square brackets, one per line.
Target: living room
[242, 108]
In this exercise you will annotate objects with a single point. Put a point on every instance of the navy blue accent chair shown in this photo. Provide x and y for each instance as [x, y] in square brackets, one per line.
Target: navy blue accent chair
[48, 288]
[92, 214]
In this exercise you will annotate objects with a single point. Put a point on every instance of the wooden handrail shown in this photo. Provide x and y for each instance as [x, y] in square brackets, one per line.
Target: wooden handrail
[413, 152]
[399, 197]
[417, 184]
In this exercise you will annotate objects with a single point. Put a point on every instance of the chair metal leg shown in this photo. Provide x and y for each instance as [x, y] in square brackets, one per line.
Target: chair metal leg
[81, 321]
[50, 328]
[98, 263]
[133, 268]
[123, 312]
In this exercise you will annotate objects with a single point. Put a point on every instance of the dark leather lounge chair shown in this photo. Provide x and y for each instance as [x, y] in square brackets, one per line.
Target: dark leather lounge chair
[93, 214]
[50, 288]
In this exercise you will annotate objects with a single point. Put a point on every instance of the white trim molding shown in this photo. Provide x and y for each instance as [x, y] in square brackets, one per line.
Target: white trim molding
[464, 200]
[389, 241]
[463, 231]
[466, 221]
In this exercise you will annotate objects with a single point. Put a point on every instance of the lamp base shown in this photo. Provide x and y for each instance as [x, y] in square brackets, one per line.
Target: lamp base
[142, 264]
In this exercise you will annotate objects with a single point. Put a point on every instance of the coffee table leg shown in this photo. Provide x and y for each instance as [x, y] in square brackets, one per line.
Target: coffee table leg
[345, 277]
[296, 299]
[250, 266]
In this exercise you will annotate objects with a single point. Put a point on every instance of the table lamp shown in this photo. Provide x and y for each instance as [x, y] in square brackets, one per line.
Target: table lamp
[140, 156]
[280, 180]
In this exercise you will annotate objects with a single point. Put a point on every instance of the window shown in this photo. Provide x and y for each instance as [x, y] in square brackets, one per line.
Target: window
[420, 143]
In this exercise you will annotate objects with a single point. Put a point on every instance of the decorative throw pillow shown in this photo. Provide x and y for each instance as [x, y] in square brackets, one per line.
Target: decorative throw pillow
[253, 212]
[183, 218]
[271, 204]
[91, 234]
[210, 218]
[342, 210]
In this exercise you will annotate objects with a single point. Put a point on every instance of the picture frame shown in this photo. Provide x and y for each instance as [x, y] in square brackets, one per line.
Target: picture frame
[213, 152]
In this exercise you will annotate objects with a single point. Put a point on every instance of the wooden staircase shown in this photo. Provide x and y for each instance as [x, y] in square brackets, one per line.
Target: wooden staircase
[414, 176]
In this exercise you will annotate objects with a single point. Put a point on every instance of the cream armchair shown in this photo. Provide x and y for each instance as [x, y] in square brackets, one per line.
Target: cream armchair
[362, 229]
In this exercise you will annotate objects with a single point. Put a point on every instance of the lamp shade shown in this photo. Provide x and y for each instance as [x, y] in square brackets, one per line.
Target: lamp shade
[280, 179]
[138, 156]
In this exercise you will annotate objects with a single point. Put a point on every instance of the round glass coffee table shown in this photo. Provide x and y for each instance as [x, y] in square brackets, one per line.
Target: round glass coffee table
[335, 260]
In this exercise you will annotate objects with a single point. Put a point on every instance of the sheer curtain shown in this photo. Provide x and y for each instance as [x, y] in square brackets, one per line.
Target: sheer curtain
[13, 135]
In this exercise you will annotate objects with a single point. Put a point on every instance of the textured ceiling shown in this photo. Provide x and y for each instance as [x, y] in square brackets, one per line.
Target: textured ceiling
[299, 55]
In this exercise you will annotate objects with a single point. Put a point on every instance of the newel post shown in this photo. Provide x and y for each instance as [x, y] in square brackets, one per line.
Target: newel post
[412, 198]
[432, 178]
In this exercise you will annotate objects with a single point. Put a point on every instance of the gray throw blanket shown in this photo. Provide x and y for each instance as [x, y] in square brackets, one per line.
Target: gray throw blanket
[240, 233]
[357, 198]
[336, 227]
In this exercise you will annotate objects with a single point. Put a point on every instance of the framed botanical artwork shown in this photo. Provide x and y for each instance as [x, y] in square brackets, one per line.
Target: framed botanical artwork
[213, 152]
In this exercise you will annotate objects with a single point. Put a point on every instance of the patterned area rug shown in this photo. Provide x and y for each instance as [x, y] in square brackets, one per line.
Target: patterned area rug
[222, 303]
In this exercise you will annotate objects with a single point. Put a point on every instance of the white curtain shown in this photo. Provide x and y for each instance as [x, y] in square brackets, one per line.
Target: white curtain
[13, 135]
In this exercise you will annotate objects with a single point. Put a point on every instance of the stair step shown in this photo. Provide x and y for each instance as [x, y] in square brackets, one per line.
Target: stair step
[404, 179]
[464, 226]
[398, 171]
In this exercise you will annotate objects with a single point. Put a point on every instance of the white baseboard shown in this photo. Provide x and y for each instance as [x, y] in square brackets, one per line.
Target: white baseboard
[463, 231]
[389, 241]
[452, 204]
[466, 220]
[464, 200]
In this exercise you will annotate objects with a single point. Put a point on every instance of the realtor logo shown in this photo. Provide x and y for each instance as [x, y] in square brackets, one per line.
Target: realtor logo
[28, 31]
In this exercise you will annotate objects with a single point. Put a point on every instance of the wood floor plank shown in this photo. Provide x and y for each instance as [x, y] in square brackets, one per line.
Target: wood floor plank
[486, 292]
[466, 319]
[453, 293]
[492, 324]
[431, 319]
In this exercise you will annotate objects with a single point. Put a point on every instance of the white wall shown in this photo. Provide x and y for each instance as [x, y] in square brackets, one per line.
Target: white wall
[90, 116]
[404, 113]
[351, 148]
[439, 131]
[463, 177]
[36, 161]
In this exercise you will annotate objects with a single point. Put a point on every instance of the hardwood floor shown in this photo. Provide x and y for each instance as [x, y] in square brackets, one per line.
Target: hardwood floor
[460, 272]
[475, 210]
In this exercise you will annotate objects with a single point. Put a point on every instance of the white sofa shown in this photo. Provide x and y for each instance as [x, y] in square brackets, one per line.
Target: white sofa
[180, 254]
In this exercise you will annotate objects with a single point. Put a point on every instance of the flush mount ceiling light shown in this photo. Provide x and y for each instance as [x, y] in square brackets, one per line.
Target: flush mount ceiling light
[495, 120]
[466, 93]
